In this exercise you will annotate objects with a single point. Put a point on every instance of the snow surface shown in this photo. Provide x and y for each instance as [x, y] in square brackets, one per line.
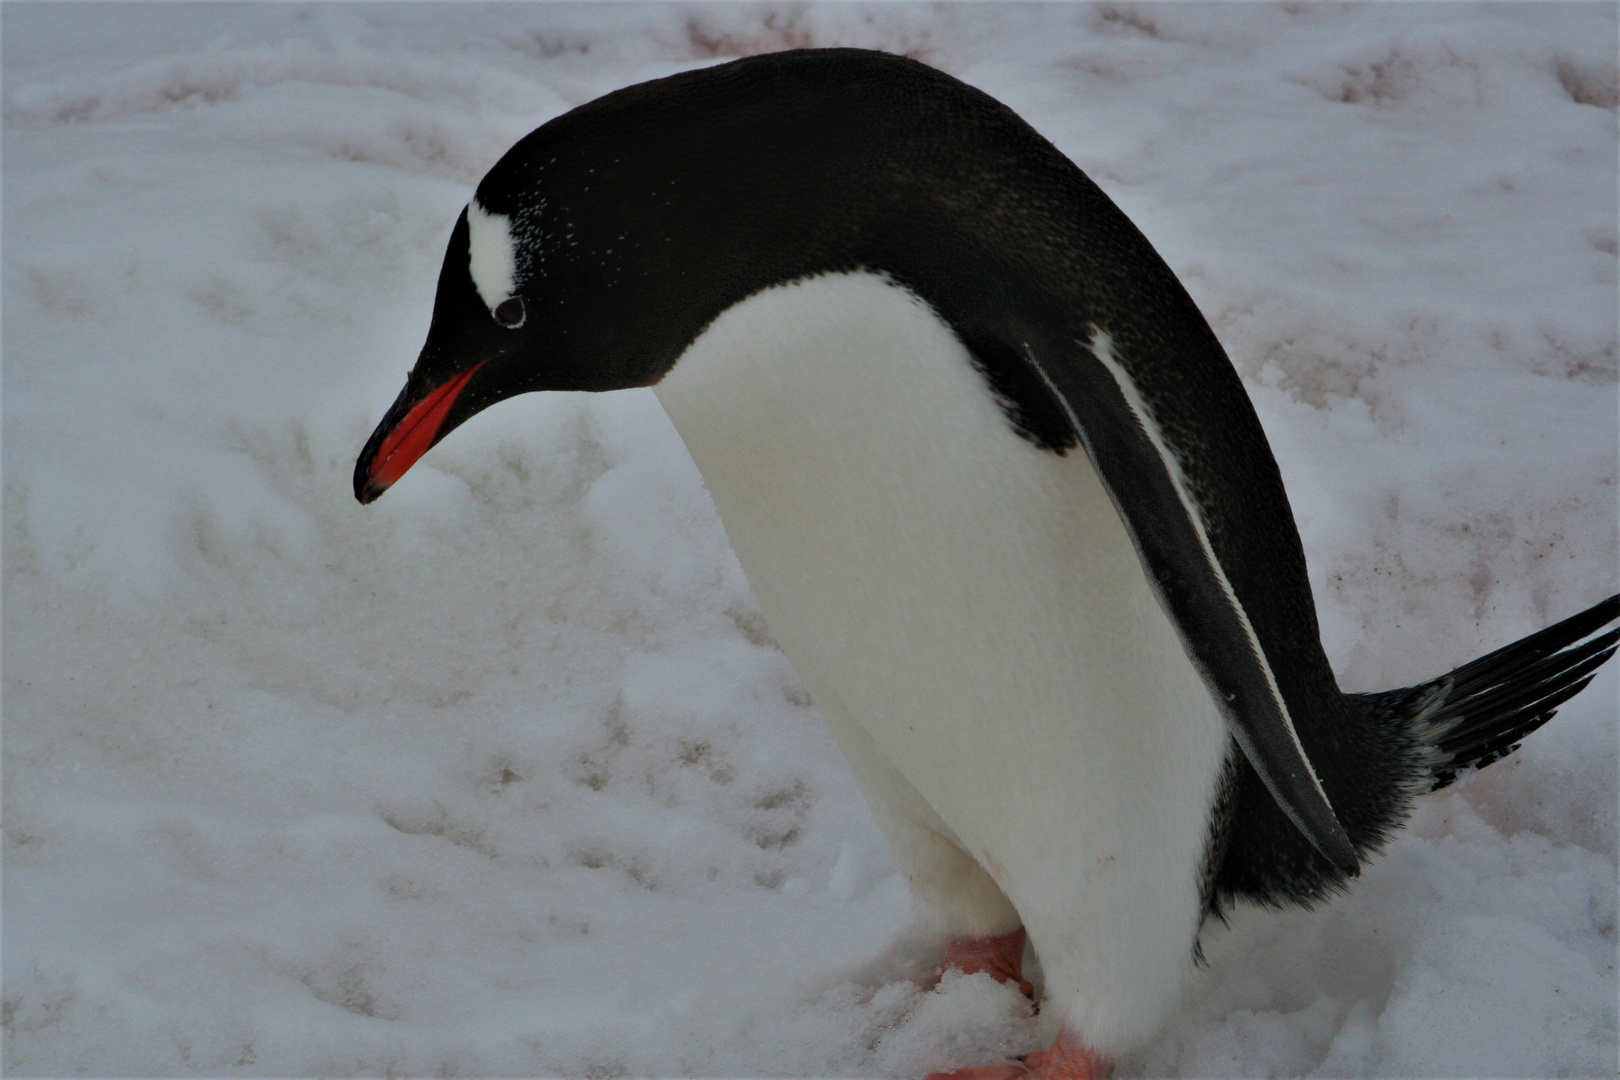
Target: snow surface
[503, 775]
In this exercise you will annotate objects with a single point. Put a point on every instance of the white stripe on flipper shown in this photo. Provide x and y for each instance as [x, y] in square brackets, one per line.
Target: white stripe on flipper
[491, 254]
[1102, 347]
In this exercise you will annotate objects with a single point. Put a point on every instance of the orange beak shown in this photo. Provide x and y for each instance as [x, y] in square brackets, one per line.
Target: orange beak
[409, 438]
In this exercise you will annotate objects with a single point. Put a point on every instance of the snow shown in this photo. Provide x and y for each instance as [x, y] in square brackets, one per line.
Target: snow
[504, 776]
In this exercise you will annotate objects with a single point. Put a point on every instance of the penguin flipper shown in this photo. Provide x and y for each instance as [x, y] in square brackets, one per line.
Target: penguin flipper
[1165, 518]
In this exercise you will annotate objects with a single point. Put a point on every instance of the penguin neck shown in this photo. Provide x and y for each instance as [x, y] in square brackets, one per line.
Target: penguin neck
[836, 368]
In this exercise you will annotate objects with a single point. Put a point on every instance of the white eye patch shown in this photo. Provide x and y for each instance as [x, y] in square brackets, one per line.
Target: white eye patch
[492, 257]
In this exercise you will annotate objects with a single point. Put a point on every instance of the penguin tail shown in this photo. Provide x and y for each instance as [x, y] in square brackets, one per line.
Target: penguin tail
[1479, 713]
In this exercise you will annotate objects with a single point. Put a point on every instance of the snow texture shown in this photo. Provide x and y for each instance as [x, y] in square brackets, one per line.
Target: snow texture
[504, 775]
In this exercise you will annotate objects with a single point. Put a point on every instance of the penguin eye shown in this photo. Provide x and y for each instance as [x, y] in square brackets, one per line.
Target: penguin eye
[509, 312]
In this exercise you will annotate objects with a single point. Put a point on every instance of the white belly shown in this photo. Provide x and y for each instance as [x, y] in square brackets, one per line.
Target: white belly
[975, 606]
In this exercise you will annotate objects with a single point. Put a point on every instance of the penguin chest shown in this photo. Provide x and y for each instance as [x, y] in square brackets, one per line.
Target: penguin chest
[971, 601]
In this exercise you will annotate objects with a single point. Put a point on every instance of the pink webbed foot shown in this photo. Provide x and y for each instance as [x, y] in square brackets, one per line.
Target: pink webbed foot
[1002, 958]
[1067, 1059]
[983, 1072]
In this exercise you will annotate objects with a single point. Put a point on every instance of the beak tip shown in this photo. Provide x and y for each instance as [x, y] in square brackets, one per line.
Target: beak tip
[366, 489]
[369, 492]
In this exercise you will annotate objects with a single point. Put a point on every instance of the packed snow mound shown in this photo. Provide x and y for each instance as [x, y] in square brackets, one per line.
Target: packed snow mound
[505, 775]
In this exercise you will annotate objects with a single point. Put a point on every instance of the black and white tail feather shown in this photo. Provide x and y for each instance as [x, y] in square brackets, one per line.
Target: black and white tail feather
[1397, 746]
[1479, 713]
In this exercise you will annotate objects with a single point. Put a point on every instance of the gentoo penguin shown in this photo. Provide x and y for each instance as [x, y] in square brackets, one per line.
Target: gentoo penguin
[998, 490]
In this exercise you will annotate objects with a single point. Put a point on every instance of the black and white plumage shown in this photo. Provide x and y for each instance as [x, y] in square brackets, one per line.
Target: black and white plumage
[999, 492]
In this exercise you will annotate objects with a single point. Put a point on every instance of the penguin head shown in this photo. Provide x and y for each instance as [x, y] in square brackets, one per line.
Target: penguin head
[531, 296]
[604, 242]
[593, 252]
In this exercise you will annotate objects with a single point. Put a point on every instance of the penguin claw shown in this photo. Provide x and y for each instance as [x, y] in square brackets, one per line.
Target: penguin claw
[983, 1072]
[1067, 1059]
[1001, 958]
